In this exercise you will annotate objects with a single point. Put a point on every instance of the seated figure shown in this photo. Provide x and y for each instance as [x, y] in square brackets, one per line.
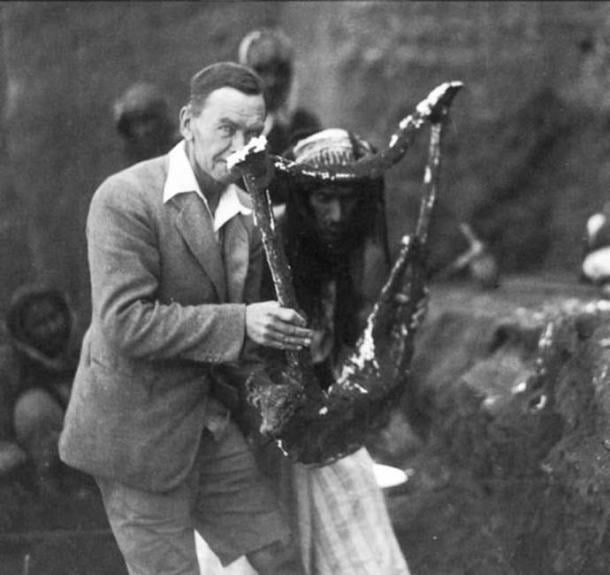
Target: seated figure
[37, 366]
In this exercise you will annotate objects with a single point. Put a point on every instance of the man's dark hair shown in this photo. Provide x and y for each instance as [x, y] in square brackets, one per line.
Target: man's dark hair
[221, 75]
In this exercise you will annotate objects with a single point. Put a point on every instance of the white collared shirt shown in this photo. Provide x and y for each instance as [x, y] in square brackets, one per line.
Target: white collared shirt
[181, 179]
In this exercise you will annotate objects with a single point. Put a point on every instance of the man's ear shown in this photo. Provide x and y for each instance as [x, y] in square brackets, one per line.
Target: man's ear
[185, 123]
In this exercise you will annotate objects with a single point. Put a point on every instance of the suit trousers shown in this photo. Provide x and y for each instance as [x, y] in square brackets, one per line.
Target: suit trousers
[225, 498]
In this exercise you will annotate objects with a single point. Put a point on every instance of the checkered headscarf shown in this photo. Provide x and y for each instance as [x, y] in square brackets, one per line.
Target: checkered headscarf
[333, 146]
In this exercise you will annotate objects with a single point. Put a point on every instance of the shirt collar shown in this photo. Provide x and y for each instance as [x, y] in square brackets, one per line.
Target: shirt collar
[229, 205]
[181, 179]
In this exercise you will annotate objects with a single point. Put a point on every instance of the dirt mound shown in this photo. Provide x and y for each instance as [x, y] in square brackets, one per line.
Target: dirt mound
[512, 403]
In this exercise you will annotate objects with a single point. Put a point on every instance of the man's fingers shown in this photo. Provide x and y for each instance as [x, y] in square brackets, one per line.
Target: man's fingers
[290, 316]
[269, 324]
[284, 314]
[289, 337]
[286, 330]
[286, 336]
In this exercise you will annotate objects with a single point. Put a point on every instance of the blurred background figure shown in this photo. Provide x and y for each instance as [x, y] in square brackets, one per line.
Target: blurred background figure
[271, 54]
[457, 251]
[596, 261]
[475, 262]
[37, 366]
[144, 121]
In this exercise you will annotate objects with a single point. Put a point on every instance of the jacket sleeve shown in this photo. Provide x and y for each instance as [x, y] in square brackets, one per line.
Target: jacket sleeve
[125, 268]
[251, 357]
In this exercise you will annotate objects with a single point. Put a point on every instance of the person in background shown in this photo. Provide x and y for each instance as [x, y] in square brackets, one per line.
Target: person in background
[175, 264]
[336, 243]
[595, 267]
[143, 120]
[269, 52]
[473, 262]
[37, 367]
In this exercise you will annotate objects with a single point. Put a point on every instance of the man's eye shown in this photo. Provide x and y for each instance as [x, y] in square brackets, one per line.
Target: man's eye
[227, 130]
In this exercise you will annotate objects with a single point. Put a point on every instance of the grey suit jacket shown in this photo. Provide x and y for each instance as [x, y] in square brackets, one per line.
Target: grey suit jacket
[163, 313]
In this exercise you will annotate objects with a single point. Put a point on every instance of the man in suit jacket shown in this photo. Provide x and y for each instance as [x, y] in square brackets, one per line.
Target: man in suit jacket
[175, 264]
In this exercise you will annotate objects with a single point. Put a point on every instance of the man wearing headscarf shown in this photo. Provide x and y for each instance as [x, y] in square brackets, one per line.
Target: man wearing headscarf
[335, 241]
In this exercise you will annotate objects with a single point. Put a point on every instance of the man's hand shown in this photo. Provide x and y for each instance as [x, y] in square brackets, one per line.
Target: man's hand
[269, 324]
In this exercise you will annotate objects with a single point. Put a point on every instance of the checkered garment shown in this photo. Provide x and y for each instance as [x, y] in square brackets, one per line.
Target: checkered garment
[344, 526]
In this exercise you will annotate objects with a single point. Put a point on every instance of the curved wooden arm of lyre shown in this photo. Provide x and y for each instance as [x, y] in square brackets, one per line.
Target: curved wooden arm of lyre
[431, 109]
[318, 427]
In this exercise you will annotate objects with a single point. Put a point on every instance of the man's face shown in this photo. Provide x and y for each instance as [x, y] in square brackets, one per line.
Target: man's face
[333, 208]
[228, 120]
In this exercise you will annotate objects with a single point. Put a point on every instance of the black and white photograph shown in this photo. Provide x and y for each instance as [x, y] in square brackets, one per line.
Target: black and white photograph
[304, 287]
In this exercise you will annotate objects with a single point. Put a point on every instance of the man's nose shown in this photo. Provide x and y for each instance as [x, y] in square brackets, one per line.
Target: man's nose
[239, 141]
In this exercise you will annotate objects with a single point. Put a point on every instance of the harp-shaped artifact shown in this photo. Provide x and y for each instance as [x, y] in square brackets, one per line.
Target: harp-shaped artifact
[313, 426]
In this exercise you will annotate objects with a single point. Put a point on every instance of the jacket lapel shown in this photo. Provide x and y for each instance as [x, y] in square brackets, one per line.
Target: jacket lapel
[236, 257]
[197, 229]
